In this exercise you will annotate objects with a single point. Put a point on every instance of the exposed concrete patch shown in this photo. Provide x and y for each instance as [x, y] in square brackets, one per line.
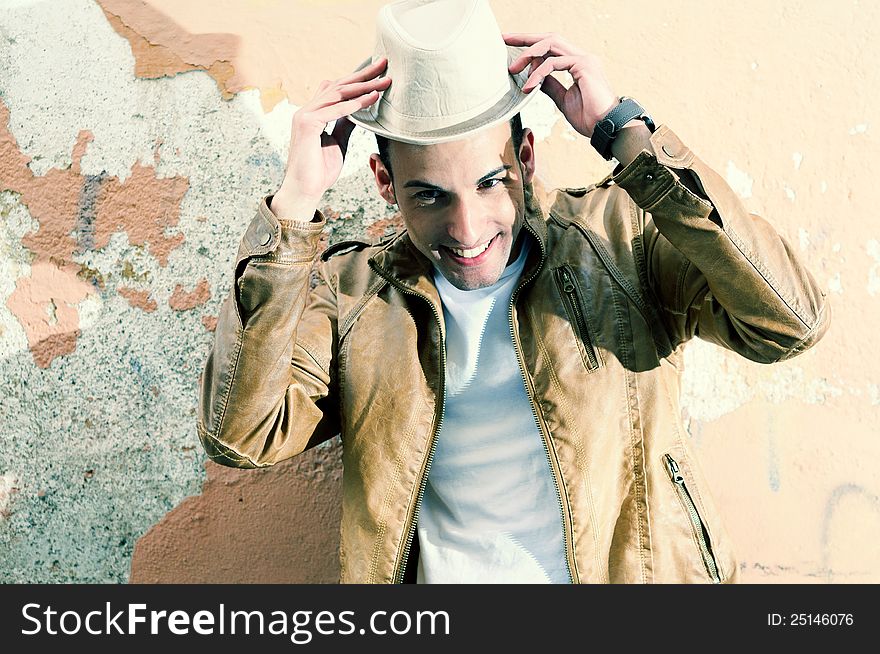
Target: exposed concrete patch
[93, 207]
[210, 322]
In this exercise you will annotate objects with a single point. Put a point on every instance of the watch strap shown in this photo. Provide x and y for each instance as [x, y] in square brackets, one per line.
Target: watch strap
[607, 129]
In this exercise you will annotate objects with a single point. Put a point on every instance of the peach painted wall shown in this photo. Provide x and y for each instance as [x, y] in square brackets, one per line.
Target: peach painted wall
[135, 140]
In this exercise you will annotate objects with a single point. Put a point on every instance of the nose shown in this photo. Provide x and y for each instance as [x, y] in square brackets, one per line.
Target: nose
[466, 222]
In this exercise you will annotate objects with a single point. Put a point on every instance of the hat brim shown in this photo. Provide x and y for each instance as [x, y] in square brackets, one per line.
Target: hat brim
[512, 102]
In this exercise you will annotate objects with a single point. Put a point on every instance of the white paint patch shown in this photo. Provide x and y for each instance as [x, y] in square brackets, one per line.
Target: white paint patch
[836, 247]
[873, 247]
[739, 181]
[275, 125]
[8, 487]
[90, 310]
[797, 157]
[789, 193]
[834, 284]
[570, 133]
[804, 238]
[754, 65]
[874, 394]
[823, 186]
[859, 129]
[712, 384]
[15, 222]
[540, 115]
[716, 382]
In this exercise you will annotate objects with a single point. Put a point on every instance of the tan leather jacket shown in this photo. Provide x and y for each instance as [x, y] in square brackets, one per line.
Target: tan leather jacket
[625, 273]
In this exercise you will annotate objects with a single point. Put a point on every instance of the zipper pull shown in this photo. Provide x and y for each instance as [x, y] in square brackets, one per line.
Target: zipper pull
[674, 472]
[567, 284]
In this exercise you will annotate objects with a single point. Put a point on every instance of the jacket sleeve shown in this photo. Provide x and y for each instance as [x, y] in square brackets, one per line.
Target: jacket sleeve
[717, 271]
[266, 391]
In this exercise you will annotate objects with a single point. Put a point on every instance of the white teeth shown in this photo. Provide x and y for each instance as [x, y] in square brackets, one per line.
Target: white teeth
[473, 252]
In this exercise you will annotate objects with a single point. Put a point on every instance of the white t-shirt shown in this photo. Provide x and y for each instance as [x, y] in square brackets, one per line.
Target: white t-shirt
[490, 512]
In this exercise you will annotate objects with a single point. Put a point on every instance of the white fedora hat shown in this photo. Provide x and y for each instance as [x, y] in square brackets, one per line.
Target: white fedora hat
[448, 66]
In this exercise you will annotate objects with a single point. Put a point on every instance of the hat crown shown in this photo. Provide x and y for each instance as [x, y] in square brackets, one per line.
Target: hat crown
[446, 58]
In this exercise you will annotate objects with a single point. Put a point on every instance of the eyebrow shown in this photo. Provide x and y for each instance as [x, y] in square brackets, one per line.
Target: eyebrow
[421, 183]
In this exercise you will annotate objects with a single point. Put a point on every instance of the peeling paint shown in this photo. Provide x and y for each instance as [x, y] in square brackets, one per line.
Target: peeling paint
[739, 181]
[180, 300]
[93, 207]
[153, 61]
[87, 109]
[138, 298]
[142, 207]
[873, 248]
[803, 239]
[834, 284]
[30, 301]
[8, 488]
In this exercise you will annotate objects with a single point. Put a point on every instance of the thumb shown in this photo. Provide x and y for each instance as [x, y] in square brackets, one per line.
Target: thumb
[342, 132]
[554, 88]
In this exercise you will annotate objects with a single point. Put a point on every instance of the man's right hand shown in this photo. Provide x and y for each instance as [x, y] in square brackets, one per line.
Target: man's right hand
[316, 157]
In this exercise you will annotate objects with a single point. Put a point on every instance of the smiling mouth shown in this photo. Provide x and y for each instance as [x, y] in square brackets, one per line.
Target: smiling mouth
[471, 256]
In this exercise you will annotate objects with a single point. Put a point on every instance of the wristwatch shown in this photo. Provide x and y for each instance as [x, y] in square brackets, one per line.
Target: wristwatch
[609, 127]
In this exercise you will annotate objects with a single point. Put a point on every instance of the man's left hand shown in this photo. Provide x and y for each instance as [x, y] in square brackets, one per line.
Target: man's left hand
[588, 99]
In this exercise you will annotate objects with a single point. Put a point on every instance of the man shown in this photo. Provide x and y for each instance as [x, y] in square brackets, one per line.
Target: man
[505, 379]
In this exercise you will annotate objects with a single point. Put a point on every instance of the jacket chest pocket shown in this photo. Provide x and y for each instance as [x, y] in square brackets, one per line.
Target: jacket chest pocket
[572, 300]
[697, 524]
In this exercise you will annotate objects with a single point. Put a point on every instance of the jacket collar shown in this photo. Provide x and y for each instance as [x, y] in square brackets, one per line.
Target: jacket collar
[401, 263]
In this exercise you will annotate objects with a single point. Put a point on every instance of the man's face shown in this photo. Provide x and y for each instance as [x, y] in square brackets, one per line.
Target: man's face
[462, 201]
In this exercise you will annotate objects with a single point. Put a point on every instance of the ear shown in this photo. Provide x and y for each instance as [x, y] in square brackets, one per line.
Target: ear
[383, 180]
[527, 155]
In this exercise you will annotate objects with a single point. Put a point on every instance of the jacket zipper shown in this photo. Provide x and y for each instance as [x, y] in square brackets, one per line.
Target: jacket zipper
[697, 523]
[410, 534]
[570, 299]
[401, 569]
[569, 554]
[541, 430]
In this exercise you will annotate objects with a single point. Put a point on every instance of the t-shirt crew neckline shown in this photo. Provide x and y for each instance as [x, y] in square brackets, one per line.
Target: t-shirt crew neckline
[515, 267]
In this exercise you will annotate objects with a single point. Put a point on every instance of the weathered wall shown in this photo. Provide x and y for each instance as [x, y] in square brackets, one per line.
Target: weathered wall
[135, 140]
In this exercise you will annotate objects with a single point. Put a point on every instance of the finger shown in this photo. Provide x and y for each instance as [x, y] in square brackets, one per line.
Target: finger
[551, 64]
[340, 109]
[368, 71]
[554, 46]
[341, 132]
[349, 91]
[539, 49]
[555, 89]
[523, 38]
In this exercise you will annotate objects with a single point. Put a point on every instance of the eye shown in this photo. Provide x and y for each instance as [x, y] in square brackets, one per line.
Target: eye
[427, 196]
[491, 183]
